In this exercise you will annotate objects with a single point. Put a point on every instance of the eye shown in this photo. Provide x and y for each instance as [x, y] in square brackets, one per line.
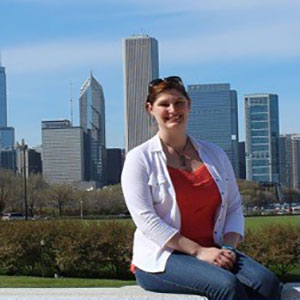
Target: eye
[163, 104]
[180, 103]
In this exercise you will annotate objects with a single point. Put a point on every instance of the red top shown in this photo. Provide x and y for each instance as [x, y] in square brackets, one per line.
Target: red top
[198, 199]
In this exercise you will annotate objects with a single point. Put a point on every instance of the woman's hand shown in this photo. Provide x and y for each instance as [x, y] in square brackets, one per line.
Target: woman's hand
[220, 257]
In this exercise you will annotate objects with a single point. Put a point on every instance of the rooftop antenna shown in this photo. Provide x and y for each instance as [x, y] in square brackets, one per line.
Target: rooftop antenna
[71, 103]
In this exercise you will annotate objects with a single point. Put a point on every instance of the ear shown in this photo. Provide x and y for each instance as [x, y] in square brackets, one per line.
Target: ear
[149, 107]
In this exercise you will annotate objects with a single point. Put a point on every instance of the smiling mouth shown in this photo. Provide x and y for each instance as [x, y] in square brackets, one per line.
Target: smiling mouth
[174, 119]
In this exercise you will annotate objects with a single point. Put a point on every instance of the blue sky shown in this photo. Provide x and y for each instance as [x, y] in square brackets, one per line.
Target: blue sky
[252, 44]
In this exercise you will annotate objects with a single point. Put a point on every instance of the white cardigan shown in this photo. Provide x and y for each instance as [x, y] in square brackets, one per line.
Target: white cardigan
[151, 200]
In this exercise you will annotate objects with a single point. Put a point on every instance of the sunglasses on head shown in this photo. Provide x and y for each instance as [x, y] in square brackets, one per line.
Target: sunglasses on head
[171, 79]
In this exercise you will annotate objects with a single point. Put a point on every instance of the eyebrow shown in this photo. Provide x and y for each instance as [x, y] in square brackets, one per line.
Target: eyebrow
[167, 101]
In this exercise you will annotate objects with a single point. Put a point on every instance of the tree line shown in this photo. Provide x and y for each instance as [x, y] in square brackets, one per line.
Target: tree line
[256, 195]
[56, 200]
[61, 200]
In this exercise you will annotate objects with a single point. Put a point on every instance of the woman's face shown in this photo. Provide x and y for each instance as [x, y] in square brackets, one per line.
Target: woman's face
[170, 109]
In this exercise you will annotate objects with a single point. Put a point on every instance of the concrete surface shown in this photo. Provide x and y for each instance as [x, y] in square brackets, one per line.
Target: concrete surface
[290, 292]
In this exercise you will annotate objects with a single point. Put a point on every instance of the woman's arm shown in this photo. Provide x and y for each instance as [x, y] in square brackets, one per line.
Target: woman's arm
[180, 243]
[219, 257]
[231, 239]
[139, 200]
[234, 222]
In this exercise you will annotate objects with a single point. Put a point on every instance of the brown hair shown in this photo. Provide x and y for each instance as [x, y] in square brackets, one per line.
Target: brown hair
[158, 86]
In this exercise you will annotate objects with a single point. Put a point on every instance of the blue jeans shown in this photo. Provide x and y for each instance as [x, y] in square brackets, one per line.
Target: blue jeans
[185, 274]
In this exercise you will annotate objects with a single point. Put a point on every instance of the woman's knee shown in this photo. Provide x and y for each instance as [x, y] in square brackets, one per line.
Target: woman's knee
[231, 288]
[266, 278]
[271, 286]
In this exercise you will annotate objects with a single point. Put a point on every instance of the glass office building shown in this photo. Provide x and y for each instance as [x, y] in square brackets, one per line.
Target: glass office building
[214, 117]
[262, 137]
[140, 54]
[289, 157]
[8, 159]
[7, 137]
[92, 120]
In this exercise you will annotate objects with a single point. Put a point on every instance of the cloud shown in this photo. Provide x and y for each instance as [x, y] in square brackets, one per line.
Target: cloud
[171, 6]
[259, 41]
[218, 5]
[61, 54]
[268, 41]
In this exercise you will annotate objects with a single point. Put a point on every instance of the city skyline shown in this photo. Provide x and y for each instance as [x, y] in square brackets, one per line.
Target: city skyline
[253, 46]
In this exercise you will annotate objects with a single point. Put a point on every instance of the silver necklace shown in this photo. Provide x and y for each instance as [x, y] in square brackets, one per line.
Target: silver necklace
[182, 157]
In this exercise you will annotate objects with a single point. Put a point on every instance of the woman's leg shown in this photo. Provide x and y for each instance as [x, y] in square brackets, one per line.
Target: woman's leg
[186, 274]
[261, 283]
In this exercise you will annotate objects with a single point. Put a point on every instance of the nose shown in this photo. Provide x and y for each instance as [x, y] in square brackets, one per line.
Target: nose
[171, 107]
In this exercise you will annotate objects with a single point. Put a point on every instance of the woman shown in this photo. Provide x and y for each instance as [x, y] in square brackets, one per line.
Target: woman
[183, 197]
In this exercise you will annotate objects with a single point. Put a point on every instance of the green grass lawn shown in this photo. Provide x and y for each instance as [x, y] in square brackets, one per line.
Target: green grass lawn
[258, 222]
[251, 222]
[31, 282]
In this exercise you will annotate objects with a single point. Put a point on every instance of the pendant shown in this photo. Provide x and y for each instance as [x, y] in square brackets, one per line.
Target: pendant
[182, 160]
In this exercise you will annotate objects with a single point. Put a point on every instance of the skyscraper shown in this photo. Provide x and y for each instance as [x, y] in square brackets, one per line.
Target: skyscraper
[115, 159]
[296, 161]
[92, 120]
[33, 161]
[140, 67]
[3, 100]
[242, 161]
[62, 152]
[7, 137]
[8, 159]
[262, 137]
[289, 151]
[7, 134]
[214, 117]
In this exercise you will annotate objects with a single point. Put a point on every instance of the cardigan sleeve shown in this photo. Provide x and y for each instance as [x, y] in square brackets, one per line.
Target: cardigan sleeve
[138, 198]
[234, 221]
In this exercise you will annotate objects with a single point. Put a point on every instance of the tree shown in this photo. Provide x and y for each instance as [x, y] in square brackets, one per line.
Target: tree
[61, 195]
[248, 190]
[110, 200]
[10, 191]
[254, 194]
[291, 195]
[36, 187]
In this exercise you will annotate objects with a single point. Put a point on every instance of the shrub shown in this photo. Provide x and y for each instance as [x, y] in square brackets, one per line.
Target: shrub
[21, 251]
[102, 249]
[119, 255]
[69, 248]
[90, 250]
[275, 246]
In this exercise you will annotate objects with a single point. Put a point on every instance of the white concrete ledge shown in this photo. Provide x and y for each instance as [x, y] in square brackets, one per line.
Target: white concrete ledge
[290, 292]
